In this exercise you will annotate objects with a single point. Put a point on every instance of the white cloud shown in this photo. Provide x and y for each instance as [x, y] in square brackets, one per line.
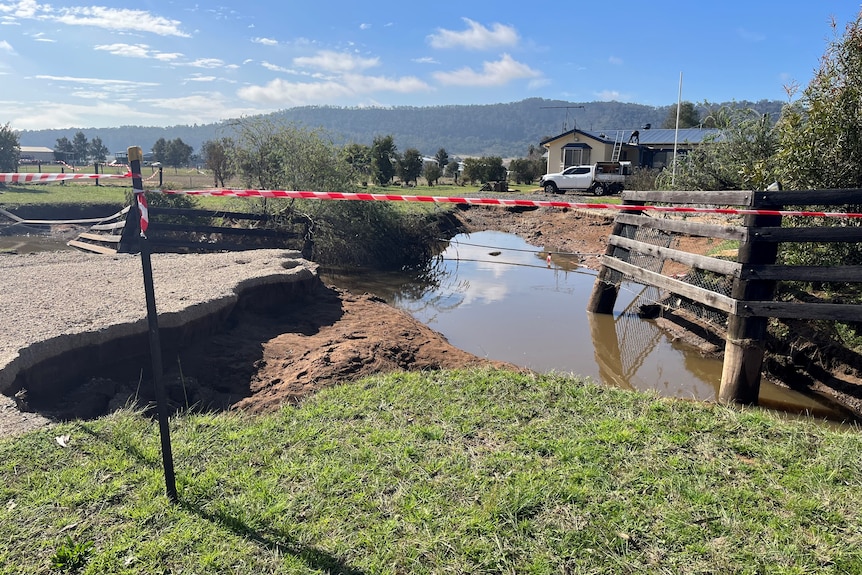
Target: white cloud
[137, 51]
[265, 41]
[90, 95]
[200, 108]
[97, 113]
[117, 19]
[612, 95]
[284, 93]
[94, 81]
[339, 62]
[114, 19]
[167, 56]
[425, 60]
[120, 90]
[475, 37]
[364, 26]
[367, 84]
[276, 68]
[128, 50]
[40, 37]
[22, 9]
[200, 78]
[616, 61]
[6, 47]
[496, 73]
[208, 63]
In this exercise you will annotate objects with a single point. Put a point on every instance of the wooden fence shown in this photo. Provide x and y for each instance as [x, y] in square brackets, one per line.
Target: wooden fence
[189, 230]
[754, 273]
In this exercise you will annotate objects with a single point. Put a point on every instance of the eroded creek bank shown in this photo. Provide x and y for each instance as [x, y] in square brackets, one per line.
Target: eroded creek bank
[249, 330]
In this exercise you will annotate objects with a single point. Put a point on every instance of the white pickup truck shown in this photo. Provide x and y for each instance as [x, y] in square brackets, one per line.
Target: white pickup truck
[599, 179]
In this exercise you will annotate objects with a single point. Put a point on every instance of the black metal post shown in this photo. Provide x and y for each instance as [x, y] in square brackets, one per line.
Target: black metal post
[135, 157]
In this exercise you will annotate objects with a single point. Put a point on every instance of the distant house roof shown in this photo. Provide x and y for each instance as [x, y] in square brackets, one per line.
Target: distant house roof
[36, 149]
[659, 137]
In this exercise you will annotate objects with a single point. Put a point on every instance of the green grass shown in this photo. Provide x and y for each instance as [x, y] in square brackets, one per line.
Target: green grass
[56, 194]
[442, 472]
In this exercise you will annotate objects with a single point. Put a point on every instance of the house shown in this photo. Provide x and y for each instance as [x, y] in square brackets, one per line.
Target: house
[35, 154]
[646, 148]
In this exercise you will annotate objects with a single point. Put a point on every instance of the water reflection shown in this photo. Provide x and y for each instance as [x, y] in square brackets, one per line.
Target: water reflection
[494, 295]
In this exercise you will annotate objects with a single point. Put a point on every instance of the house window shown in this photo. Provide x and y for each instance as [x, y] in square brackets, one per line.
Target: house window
[575, 157]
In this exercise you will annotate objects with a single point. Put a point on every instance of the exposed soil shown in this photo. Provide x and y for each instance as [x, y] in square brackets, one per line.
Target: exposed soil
[582, 232]
[326, 337]
[264, 360]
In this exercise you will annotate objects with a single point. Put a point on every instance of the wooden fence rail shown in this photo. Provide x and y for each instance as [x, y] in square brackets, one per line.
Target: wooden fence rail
[755, 273]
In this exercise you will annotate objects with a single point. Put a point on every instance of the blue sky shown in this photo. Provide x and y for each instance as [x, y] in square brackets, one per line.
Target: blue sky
[161, 63]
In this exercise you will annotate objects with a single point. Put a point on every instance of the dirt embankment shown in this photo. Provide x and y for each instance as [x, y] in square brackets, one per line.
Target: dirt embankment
[583, 232]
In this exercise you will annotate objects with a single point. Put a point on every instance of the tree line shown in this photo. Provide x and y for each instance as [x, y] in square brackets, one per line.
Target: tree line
[174, 153]
[380, 162]
[80, 150]
[504, 130]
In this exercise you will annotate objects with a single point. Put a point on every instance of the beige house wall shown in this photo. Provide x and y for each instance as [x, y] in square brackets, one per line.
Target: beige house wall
[599, 151]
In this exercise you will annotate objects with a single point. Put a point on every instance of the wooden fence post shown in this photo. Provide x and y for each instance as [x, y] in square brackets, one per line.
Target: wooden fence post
[604, 294]
[746, 335]
[135, 156]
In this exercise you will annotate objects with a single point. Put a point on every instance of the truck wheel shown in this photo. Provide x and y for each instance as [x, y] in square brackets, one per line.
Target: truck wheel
[599, 190]
[550, 188]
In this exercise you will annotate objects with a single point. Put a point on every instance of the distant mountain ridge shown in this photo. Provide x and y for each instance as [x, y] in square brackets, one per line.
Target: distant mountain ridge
[505, 130]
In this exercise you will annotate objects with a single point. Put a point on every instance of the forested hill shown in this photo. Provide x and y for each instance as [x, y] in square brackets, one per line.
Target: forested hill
[505, 130]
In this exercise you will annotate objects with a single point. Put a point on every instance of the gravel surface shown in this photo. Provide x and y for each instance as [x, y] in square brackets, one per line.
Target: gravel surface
[50, 303]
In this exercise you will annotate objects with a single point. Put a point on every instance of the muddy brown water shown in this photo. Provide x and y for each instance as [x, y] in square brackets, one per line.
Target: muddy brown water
[31, 243]
[496, 296]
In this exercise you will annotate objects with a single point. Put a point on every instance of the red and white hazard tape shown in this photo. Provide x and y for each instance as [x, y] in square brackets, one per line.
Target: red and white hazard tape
[43, 178]
[143, 211]
[499, 202]
[39, 178]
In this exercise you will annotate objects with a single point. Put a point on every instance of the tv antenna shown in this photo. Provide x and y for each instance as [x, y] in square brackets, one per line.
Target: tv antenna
[567, 108]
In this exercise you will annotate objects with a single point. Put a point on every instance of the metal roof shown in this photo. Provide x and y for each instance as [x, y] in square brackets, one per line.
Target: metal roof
[652, 137]
[663, 136]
